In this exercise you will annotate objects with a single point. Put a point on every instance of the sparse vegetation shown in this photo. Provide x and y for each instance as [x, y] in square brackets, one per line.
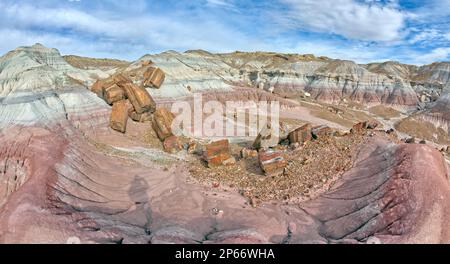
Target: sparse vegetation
[384, 112]
[423, 130]
[88, 63]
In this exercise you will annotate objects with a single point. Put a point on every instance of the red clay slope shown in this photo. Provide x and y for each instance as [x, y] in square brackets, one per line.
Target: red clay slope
[70, 190]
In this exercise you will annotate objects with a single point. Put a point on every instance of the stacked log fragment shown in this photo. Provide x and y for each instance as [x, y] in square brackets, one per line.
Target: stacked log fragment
[129, 100]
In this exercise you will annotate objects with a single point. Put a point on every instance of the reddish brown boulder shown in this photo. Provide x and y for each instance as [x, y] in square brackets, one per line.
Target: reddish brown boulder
[372, 124]
[269, 137]
[144, 117]
[139, 98]
[113, 94]
[119, 115]
[249, 153]
[97, 88]
[301, 134]
[218, 154]
[154, 77]
[162, 123]
[147, 63]
[448, 150]
[411, 140]
[194, 148]
[172, 145]
[321, 131]
[359, 128]
[272, 162]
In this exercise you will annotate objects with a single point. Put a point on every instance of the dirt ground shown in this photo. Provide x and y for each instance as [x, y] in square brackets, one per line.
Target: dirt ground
[312, 170]
[384, 112]
[423, 130]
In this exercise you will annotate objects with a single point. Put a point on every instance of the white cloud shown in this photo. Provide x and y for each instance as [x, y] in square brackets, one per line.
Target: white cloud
[148, 32]
[348, 18]
[226, 3]
[426, 35]
[438, 54]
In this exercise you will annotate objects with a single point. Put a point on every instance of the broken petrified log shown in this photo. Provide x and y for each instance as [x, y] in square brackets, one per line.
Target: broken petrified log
[119, 115]
[411, 140]
[97, 88]
[162, 123]
[144, 117]
[154, 77]
[362, 126]
[194, 148]
[218, 154]
[270, 136]
[139, 98]
[113, 94]
[146, 63]
[249, 153]
[172, 145]
[100, 85]
[272, 162]
[372, 124]
[321, 131]
[359, 128]
[301, 135]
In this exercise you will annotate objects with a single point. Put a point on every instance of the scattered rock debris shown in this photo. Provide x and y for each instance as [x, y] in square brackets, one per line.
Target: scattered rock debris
[301, 173]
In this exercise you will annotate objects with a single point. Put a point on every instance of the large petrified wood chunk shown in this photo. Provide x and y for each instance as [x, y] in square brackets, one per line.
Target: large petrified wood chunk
[172, 145]
[272, 162]
[218, 154]
[144, 117]
[301, 135]
[270, 136]
[154, 77]
[113, 94]
[119, 115]
[162, 122]
[139, 98]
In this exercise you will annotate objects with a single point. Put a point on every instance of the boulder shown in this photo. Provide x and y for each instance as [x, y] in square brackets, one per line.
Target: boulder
[321, 131]
[162, 123]
[448, 150]
[301, 135]
[249, 153]
[97, 88]
[372, 124]
[390, 131]
[172, 145]
[154, 77]
[144, 117]
[146, 63]
[272, 162]
[359, 128]
[194, 148]
[119, 115]
[411, 140]
[139, 98]
[113, 94]
[269, 138]
[218, 154]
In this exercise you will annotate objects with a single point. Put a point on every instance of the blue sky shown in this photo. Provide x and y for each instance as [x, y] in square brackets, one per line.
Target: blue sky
[415, 31]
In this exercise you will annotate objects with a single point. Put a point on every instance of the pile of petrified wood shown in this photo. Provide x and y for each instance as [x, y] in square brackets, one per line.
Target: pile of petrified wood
[129, 99]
